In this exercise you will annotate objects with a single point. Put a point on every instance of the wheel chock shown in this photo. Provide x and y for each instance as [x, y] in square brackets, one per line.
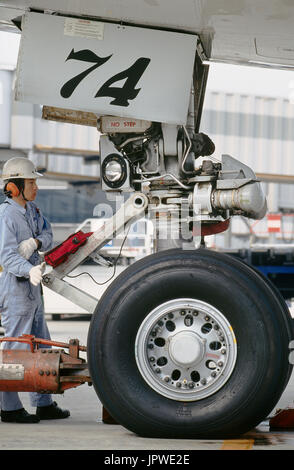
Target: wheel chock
[282, 420]
[107, 418]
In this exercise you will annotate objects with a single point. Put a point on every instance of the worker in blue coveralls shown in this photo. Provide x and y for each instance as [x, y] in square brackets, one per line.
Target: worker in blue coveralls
[23, 232]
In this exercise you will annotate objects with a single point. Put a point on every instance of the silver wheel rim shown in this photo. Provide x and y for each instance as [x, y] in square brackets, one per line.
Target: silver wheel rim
[185, 349]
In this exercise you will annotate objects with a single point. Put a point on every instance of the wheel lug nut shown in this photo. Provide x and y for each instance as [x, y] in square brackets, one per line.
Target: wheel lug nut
[203, 381]
[183, 312]
[157, 370]
[191, 385]
[166, 379]
[207, 318]
[178, 384]
[150, 346]
[220, 363]
[213, 374]
[223, 351]
[151, 359]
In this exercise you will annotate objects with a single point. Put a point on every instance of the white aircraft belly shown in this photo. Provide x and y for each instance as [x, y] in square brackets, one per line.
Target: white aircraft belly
[235, 31]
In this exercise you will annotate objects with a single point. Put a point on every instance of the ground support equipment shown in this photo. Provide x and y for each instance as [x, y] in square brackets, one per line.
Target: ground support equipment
[41, 368]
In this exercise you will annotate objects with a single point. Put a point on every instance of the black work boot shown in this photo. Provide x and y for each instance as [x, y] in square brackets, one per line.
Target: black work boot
[51, 412]
[18, 416]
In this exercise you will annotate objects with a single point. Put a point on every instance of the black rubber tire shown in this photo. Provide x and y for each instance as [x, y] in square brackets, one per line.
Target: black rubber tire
[252, 308]
[285, 312]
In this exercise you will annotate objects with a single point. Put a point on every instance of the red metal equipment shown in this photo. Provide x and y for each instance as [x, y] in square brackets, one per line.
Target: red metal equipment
[42, 370]
[283, 420]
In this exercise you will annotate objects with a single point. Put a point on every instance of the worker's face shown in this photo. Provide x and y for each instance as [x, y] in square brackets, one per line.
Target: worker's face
[30, 189]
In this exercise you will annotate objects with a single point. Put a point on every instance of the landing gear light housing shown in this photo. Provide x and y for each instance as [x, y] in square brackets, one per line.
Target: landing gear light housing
[114, 171]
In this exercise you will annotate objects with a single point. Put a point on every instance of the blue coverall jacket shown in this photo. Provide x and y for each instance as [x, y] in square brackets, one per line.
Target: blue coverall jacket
[21, 303]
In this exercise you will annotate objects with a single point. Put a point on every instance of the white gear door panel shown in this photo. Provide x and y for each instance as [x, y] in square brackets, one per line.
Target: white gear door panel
[105, 68]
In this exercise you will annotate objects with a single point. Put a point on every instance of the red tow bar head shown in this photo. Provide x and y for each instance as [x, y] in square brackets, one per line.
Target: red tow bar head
[42, 369]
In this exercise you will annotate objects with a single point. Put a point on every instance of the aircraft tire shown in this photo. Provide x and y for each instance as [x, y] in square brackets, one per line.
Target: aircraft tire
[288, 320]
[189, 344]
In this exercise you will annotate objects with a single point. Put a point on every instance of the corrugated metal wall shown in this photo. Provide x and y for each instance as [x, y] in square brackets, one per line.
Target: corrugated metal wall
[257, 130]
[22, 128]
[53, 134]
[66, 136]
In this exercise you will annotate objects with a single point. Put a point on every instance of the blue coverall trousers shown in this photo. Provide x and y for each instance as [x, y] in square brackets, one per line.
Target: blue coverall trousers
[32, 323]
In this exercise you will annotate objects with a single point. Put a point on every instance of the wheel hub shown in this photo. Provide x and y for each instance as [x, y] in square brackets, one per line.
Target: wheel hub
[186, 349]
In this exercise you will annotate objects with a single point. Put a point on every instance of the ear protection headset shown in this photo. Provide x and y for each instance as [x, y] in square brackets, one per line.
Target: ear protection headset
[12, 189]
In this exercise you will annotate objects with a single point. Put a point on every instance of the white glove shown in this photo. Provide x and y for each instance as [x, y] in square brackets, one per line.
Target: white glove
[36, 274]
[27, 248]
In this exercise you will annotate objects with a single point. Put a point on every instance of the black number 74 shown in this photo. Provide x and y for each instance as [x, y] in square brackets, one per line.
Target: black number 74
[122, 94]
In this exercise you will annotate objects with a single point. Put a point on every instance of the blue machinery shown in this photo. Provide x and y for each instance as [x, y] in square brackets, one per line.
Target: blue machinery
[276, 264]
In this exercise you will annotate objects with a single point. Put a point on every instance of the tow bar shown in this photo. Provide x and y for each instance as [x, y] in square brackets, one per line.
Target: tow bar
[42, 369]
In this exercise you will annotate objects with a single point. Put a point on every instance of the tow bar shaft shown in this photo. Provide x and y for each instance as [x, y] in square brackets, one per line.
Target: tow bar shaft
[42, 370]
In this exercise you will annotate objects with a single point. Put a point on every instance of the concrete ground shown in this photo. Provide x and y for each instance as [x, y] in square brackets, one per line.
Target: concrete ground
[84, 429]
